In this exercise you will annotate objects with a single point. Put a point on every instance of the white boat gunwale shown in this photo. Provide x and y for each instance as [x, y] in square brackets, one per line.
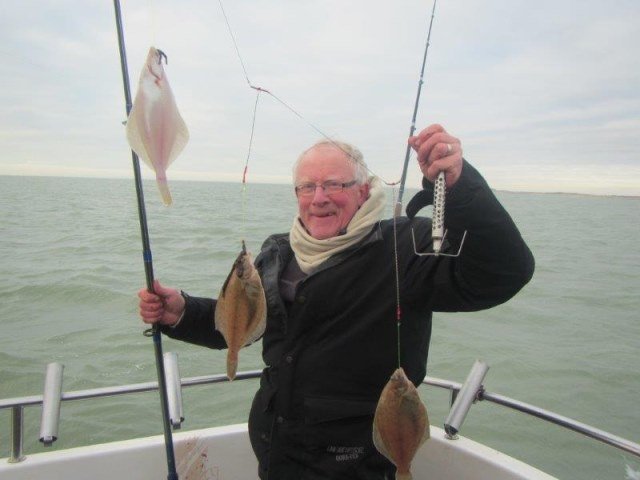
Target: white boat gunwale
[17, 405]
[225, 452]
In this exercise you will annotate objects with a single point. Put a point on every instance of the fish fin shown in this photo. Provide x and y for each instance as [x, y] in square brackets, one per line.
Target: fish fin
[257, 334]
[220, 314]
[223, 307]
[164, 191]
[378, 442]
[181, 139]
[134, 136]
[427, 431]
[223, 290]
[259, 318]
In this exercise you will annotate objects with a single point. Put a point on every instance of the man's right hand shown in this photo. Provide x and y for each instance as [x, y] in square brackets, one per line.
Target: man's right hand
[164, 307]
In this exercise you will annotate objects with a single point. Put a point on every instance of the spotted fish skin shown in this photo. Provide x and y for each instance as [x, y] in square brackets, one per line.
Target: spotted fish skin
[155, 128]
[400, 424]
[241, 309]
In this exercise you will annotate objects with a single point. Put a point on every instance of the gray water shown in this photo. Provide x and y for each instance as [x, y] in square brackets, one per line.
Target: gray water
[71, 262]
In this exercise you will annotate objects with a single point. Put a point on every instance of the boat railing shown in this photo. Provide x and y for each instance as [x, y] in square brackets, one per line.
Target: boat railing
[50, 407]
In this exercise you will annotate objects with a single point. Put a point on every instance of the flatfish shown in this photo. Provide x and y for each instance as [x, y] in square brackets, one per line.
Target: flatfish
[241, 309]
[400, 424]
[155, 129]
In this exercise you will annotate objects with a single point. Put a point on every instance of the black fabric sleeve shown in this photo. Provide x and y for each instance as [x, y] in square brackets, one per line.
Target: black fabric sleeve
[495, 262]
[197, 324]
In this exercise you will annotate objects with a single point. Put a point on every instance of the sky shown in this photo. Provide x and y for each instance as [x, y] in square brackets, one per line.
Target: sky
[544, 96]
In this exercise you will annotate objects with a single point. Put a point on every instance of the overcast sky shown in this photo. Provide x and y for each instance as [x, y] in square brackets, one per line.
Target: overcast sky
[543, 95]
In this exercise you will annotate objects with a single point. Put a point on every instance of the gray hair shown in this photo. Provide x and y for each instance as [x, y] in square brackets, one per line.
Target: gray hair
[360, 169]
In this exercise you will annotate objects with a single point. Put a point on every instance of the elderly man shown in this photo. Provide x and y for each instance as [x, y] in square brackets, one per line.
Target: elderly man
[330, 284]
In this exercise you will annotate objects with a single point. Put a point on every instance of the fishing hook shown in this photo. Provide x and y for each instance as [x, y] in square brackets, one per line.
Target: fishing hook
[162, 55]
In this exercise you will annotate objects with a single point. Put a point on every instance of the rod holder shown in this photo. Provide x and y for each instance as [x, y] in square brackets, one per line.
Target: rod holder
[468, 394]
[174, 389]
[16, 455]
[51, 404]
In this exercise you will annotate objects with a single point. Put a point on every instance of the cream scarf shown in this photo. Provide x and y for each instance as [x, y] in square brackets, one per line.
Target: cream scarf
[311, 252]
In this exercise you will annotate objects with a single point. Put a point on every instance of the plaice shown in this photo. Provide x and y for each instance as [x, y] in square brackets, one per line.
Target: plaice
[400, 424]
[155, 129]
[241, 309]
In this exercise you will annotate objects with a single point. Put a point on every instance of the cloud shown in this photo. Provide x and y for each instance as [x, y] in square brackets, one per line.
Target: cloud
[526, 87]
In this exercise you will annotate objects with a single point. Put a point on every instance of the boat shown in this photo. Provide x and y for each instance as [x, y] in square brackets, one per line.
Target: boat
[225, 452]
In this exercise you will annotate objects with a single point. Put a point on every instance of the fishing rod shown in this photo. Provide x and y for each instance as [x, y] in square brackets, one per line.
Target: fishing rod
[148, 263]
[398, 207]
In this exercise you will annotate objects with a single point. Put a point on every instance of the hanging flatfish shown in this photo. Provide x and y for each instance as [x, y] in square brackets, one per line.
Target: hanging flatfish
[155, 129]
[400, 424]
[241, 309]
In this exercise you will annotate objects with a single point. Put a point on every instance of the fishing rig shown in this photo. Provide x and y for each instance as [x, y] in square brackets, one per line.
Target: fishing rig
[147, 258]
[438, 230]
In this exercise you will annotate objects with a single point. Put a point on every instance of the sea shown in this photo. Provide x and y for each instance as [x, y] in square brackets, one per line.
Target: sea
[71, 266]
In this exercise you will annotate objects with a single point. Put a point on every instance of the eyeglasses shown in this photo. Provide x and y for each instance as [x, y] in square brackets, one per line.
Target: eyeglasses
[330, 187]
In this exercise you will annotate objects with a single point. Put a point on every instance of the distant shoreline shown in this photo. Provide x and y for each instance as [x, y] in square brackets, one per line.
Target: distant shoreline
[581, 194]
[499, 190]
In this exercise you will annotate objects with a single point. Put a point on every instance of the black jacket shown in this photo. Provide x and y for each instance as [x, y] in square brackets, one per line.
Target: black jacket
[329, 353]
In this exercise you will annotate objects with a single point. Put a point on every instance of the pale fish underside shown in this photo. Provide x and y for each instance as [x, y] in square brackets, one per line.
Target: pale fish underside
[241, 309]
[155, 129]
[193, 461]
[400, 424]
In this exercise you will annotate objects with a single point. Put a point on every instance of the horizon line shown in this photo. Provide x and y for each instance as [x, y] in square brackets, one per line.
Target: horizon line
[271, 182]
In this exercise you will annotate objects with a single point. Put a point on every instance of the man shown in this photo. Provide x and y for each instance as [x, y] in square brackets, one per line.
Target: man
[330, 343]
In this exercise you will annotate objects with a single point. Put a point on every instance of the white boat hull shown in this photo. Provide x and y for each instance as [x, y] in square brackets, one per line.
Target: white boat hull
[225, 453]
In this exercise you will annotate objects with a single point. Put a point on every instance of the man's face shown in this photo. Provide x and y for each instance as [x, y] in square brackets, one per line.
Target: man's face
[324, 215]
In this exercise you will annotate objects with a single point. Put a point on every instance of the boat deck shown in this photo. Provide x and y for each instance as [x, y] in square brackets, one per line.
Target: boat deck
[225, 452]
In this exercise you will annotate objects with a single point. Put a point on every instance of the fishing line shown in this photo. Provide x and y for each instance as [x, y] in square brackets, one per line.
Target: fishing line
[398, 200]
[285, 104]
[246, 167]
[235, 44]
[260, 89]
[397, 274]
[327, 137]
[153, 20]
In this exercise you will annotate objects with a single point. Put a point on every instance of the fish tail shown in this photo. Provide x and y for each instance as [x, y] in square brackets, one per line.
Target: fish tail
[232, 365]
[164, 191]
[404, 476]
